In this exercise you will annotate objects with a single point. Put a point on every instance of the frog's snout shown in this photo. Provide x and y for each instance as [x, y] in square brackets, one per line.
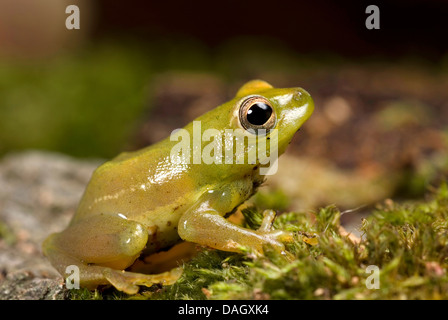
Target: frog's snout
[301, 96]
[305, 102]
[298, 93]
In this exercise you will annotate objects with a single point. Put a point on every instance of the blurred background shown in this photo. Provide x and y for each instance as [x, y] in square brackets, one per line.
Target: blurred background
[136, 70]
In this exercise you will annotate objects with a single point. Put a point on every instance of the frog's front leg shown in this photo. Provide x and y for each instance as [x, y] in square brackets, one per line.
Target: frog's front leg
[102, 246]
[204, 224]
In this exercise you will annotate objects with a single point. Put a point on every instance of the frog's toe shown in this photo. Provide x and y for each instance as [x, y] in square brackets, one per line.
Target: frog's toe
[266, 228]
[165, 278]
[128, 282]
[120, 282]
[268, 220]
[285, 236]
[170, 277]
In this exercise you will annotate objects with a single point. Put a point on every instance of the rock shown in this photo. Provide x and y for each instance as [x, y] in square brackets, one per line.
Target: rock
[39, 192]
[26, 286]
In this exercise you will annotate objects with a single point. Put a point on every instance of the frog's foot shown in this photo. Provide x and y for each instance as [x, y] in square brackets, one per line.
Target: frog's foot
[266, 228]
[91, 276]
[275, 238]
[129, 282]
[100, 247]
[268, 221]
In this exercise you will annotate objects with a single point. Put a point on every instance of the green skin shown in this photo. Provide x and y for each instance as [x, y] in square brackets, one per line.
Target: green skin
[140, 202]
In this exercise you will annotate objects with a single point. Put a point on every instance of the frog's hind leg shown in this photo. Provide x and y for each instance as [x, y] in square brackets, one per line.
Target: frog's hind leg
[91, 276]
[100, 245]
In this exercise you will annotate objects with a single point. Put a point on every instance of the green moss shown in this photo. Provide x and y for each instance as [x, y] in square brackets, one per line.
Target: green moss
[408, 243]
[275, 200]
[85, 294]
[64, 102]
[7, 234]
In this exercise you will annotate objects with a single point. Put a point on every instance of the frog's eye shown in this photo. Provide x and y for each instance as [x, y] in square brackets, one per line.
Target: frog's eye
[257, 113]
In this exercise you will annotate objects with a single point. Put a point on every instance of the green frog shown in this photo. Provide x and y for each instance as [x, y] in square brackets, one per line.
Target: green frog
[142, 202]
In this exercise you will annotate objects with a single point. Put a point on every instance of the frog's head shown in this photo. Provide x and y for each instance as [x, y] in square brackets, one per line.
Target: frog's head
[262, 106]
[270, 115]
[262, 121]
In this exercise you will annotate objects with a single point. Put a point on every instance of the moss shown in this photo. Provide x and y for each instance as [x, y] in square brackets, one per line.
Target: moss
[275, 200]
[85, 294]
[65, 101]
[407, 242]
[7, 234]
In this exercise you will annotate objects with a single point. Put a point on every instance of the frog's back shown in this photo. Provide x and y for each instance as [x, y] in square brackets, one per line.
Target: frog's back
[140, 185]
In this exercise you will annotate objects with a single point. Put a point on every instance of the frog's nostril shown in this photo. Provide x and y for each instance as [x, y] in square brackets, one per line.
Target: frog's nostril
[298, 95]
[303, 98]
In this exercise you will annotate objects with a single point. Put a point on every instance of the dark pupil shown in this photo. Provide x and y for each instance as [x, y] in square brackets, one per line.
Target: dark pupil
[259, 113]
